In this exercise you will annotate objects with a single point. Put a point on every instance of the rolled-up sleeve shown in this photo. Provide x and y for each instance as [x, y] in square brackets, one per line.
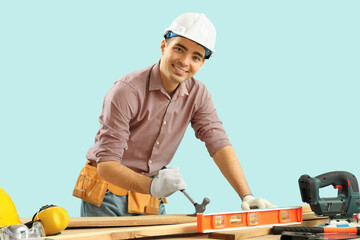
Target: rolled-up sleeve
[206, 123]
[118, 107]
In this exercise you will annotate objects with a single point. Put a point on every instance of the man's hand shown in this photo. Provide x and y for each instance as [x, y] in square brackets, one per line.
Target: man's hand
[250, 202]
[167, 182]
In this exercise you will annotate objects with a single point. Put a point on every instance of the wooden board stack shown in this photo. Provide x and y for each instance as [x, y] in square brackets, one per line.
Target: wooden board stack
[161, 227]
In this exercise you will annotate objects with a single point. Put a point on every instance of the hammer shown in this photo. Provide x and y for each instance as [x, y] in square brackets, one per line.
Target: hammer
[199, 208]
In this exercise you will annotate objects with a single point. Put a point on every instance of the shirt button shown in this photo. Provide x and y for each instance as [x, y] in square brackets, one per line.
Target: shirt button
[164, 123]
[150, 161]
[157, 142]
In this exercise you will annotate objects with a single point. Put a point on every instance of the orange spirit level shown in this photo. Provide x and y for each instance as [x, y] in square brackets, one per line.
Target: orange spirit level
[214, 222]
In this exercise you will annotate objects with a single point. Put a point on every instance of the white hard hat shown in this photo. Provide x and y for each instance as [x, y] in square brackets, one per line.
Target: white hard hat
[196, 27]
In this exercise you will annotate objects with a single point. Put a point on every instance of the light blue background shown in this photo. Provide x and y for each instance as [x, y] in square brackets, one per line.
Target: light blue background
[284, 78]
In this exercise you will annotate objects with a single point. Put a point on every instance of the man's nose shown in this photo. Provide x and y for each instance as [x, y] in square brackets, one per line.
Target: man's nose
[185, 60]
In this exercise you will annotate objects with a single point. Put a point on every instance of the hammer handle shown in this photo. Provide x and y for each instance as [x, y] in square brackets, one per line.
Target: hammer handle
[188, 196]
[279, 230]
[184, 192]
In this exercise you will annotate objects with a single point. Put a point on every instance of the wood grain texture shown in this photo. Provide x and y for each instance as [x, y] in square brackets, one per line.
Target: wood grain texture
[177, 226]
[148, 220]
[306, 208]
[256, 232]
[241, 234]
[125, 232]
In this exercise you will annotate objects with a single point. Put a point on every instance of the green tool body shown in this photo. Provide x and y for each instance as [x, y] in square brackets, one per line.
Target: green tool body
[343, 206]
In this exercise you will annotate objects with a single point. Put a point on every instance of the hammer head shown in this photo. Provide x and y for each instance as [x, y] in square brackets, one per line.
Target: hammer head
[200, 208]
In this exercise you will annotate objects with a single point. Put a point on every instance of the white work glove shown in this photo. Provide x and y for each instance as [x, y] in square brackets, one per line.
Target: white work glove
[250, 202]
[167, 182]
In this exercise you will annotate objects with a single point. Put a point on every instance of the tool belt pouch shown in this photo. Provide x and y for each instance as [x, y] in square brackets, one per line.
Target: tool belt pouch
[89, 186]
[142, 203]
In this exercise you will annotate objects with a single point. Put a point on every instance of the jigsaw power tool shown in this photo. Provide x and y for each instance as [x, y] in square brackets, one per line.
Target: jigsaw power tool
[341, 210]
[344, 206]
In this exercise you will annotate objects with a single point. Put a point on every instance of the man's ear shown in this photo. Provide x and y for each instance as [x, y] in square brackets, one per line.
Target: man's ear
[162, 46]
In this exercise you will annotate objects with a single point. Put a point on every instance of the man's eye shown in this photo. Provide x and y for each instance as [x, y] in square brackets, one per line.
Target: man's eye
[196, 58]
[178, 49]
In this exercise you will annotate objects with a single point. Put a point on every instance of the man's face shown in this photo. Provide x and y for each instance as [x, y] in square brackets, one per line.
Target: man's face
[181, 59]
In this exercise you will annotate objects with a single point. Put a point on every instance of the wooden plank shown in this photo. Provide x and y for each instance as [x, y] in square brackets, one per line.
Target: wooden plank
[241, 234]
[311, 223]
[146, 220]
[267, 237]
[156, 226]
[256, 232]
[143, 220]
[306, 208]
[191, 236]
[125, 232]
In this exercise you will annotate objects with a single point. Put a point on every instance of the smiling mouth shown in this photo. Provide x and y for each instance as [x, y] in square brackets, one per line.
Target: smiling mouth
[178, 69]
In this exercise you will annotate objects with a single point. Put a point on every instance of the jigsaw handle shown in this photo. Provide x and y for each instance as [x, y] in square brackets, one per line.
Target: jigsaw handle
[309, 187]
[345, 179]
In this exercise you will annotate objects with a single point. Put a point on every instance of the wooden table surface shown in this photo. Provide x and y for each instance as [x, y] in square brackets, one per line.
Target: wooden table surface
[172, 231]
[143, 233]
[162, 227]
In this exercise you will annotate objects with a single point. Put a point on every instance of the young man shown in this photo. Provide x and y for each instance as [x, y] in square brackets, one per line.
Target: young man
[144, 117]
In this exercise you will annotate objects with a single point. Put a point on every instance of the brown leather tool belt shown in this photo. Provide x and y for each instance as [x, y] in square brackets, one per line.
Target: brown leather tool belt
[91, 188]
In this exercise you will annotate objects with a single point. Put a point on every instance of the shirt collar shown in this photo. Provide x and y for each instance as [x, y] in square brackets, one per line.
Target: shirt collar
[155, 79]
[155, 82]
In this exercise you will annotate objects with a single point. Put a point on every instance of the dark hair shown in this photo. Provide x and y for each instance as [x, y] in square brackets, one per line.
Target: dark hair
[168, 40]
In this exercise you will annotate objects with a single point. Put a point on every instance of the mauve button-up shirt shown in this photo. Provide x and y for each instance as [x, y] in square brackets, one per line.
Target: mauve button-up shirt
[141, 126]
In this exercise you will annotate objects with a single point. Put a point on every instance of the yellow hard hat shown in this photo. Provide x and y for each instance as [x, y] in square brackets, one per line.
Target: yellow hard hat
[54, 219]
[8, 213]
